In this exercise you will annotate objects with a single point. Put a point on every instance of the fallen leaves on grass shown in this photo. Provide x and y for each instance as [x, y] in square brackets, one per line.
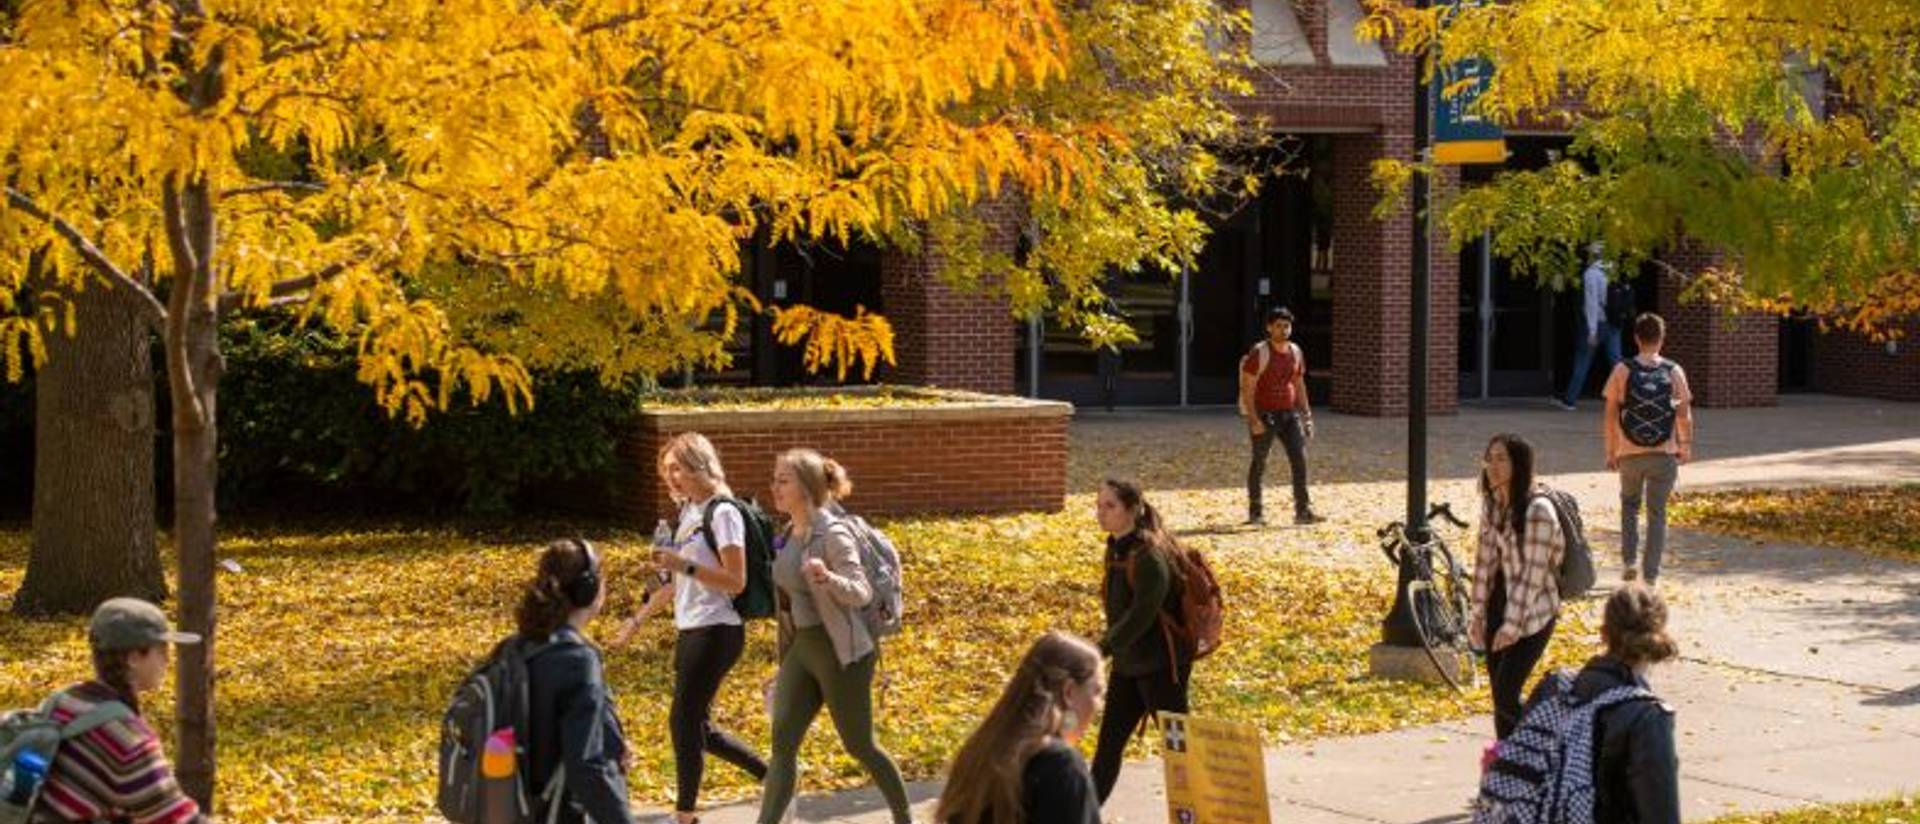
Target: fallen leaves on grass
[1882, 519]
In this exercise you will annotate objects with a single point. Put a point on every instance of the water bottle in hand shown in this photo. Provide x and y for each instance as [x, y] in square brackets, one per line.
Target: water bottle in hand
[662, 539]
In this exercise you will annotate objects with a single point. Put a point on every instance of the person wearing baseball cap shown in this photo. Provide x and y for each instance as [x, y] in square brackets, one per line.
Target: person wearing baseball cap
[114, 769]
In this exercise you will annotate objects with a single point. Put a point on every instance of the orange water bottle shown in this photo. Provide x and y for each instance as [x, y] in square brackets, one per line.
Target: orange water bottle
[497, 780]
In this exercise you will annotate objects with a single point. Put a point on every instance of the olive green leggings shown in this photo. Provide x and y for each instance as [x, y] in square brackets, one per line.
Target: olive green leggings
[810, 676]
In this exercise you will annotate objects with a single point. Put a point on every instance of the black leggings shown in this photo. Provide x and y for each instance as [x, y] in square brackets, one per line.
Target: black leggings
[1129, 699]
[701, 660]
[1508, 670]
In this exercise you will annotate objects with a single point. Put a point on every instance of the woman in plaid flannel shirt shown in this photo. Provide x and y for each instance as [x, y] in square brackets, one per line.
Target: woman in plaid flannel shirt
[1516, 597]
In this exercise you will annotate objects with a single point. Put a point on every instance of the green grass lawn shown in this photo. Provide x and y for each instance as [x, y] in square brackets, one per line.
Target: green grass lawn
[339, 647]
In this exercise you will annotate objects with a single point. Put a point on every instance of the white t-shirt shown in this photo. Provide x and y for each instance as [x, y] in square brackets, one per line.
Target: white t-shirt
[695, 604]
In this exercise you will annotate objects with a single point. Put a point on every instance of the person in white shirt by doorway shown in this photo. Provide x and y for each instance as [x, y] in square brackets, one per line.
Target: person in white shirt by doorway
[1607, 309]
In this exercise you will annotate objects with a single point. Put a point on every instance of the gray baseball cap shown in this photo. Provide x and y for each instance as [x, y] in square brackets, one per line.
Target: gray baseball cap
[130, 623]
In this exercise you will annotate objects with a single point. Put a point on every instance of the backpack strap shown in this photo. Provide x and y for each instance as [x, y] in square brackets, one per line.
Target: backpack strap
[101, 715]
[706, 519]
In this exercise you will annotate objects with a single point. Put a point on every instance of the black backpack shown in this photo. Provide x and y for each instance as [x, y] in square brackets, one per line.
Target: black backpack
[491, 698]
[1620, 308]
[756, 600]
[1647, 415]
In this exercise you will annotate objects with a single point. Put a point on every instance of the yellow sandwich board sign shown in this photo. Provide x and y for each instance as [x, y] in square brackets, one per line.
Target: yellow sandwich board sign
[1216, 771]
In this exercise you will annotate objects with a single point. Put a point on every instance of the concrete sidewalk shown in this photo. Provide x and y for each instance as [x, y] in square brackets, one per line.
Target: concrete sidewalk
[1800, 678]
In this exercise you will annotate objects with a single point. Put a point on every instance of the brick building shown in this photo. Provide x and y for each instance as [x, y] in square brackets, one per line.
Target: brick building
[1311, 241]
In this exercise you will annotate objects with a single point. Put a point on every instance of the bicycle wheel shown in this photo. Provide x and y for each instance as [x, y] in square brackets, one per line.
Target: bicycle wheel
[1437, 599]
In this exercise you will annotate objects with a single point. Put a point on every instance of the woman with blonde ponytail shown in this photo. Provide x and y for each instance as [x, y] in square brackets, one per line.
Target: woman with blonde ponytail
[828, 656]
[1020, 766]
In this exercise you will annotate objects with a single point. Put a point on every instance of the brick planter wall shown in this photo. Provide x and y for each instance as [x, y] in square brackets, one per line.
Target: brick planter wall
[1845, 363]
[970, 454]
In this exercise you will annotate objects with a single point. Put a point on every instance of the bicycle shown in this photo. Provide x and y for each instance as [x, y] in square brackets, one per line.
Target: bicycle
[1437, 598]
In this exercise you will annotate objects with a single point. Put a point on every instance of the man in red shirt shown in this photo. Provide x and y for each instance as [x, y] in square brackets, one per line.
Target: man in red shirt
[1273, 399]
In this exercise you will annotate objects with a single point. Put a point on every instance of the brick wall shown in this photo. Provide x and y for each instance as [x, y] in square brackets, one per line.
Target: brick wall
[946, 337]
[1372, 302]
[1731, 360]
[1845, 363]
[901, 462]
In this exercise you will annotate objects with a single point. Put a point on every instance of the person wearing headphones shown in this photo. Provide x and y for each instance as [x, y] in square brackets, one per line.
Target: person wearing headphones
[571, 723]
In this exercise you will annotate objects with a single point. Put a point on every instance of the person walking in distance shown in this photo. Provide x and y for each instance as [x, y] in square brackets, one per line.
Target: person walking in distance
[1648, 432]
[1273, 400]
[1606, 308]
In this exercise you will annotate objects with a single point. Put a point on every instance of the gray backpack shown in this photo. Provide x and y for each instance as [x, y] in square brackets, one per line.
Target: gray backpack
[492, 698]
[1575, 575]
[880, 560]
[35, 731]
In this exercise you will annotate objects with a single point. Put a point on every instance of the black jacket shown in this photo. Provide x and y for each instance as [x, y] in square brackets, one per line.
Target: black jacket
[1637, 778]
[571, 720]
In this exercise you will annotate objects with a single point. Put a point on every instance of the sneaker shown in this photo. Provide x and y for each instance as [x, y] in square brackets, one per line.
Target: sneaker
[1564, 406]
[1307, 519]
[1630, 574]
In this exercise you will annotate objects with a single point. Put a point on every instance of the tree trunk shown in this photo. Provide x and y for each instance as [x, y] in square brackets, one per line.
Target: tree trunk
[193, 370]
[93, 484]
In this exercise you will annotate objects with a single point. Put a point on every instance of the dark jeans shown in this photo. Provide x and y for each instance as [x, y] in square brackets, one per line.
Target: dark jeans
[1508, 670]
[1287, 428]
[701, 660]
[1129, 700]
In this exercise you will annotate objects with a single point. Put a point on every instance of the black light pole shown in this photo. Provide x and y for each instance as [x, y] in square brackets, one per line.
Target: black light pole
[1417, 349]
[1398, 629]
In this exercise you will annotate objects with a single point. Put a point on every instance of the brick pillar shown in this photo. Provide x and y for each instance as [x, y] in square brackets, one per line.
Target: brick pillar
[1731, 360]
[946, 337]
[1373, 262]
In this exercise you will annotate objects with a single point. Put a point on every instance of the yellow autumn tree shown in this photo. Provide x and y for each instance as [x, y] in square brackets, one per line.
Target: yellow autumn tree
[1781, 132]
[368, 164]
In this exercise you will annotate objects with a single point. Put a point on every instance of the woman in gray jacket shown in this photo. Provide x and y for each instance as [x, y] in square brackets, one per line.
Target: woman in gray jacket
[828, 656]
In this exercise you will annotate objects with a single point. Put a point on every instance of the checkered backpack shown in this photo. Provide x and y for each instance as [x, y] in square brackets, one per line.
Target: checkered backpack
[1543, 772]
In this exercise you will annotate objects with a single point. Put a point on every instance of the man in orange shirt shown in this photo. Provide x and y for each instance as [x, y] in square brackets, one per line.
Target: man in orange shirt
[1649, 433]
[1273, 399]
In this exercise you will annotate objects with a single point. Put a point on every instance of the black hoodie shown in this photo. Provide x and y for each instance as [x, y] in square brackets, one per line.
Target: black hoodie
[1636, 772]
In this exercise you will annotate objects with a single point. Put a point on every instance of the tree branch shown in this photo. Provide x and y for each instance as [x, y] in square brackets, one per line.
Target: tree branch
[155, 314]
[292, 290]
[274, 186]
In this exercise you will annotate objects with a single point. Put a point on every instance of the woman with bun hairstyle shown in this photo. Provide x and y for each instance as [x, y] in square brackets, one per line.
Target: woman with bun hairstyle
[1636, 773]
[1020, 765]
[570, 712]
[827, 655]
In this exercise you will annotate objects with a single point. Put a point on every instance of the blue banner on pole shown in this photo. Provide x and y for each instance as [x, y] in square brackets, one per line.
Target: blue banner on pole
[1460, 134]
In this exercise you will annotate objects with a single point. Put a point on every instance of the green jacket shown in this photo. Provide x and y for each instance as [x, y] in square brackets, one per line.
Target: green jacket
[1134, 638]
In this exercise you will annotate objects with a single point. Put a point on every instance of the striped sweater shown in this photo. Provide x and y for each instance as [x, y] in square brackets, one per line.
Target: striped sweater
[115, 772]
